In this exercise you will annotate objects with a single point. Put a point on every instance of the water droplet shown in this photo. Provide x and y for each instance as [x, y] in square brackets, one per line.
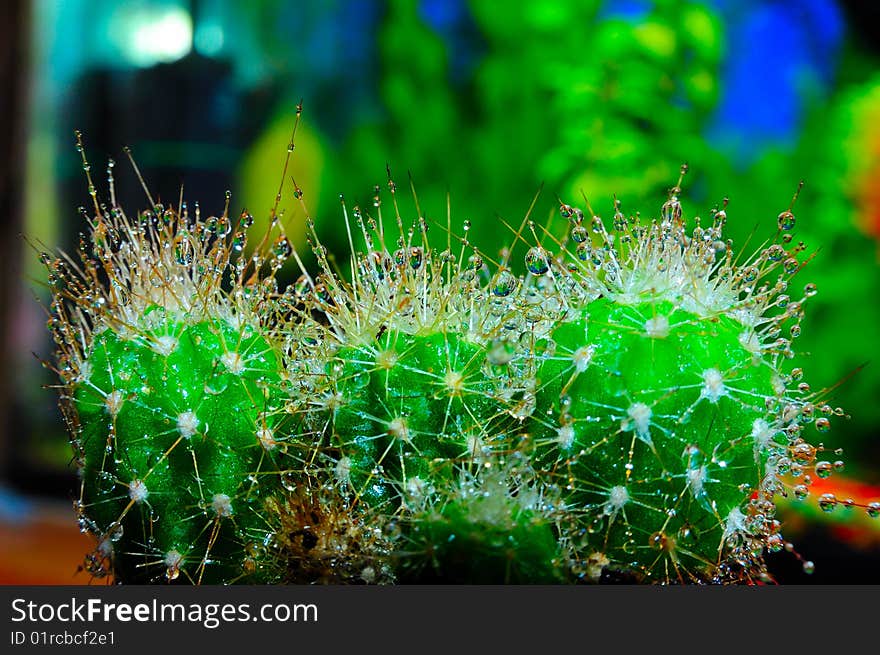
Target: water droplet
[172, 572]
[786, 220]
[801, 491]
[579, 233]
[810, 290]
[827, 502]
[873, 509]
[775, 253]
[504, 284]
[114, 532]
[536, 261]
[804, 452]
[289, 480]
[809, 567]
[281, 249]
[775, 543]
[687, 535]
[823, 469]
[183, 253]
[657, 540]
[584, 251]
[823, 424]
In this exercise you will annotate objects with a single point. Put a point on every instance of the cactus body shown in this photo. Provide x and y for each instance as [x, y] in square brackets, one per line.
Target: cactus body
[410, 405]
[659, 419]
[623, 410]
[177, 427]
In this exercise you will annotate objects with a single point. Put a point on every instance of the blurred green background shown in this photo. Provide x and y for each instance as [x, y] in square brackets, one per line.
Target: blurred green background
[482, 104]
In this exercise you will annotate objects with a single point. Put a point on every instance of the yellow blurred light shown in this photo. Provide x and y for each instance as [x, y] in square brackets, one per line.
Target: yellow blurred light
[657, 38]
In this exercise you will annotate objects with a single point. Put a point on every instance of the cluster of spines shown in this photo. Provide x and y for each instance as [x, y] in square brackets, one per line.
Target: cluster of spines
[619, 408]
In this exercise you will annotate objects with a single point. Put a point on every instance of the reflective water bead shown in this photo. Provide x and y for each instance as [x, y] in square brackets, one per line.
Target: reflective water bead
[579, 233]
[584, 251]
[827, 502]
[775, 253]
[504, 284]
[823, 469]
[281, 249]
[786, 220]
[536, 261]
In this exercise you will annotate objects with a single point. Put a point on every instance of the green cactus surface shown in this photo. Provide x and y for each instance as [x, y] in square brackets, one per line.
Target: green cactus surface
[176, 428]
[626, 407]
[411, 404]
[659, 419]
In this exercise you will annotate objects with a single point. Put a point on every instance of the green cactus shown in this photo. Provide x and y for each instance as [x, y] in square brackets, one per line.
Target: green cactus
[174, 393]
[406, 403]
[624, 409]
[664, 404]
[175, 432]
